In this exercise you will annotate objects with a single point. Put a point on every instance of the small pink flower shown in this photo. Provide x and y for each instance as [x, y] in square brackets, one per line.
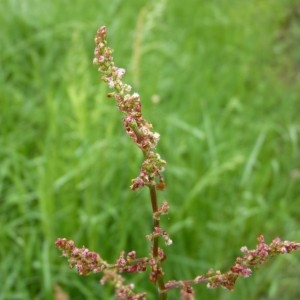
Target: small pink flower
[120, 73]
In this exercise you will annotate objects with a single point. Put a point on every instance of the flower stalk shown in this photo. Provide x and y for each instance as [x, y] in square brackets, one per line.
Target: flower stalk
[140, 131]
[150, 175]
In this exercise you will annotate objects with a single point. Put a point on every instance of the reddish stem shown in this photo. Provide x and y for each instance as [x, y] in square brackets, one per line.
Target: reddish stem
[160, 280]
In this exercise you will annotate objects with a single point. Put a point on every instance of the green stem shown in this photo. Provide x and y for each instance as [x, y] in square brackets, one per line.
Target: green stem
[160, 279]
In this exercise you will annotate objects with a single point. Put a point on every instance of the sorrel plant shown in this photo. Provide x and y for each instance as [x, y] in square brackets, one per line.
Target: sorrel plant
[150, 176]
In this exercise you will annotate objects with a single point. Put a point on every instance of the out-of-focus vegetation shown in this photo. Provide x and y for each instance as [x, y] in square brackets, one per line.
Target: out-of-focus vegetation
[220, 82]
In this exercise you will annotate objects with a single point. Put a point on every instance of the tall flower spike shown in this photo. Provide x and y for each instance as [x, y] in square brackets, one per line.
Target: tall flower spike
[139, 129]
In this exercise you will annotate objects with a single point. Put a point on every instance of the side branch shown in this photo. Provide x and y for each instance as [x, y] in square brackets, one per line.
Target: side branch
[243, 266]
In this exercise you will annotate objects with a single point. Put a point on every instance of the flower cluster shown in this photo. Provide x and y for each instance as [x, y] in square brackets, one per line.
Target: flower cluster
[243, 265]
[158, 231]
[139, 129]
[85, 261]
[122, 291]
[242, 268]
[162, 210]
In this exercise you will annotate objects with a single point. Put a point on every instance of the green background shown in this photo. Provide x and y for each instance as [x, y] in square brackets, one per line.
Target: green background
[219, 80]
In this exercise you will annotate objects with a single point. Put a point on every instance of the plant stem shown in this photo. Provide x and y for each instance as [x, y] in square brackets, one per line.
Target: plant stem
[155, 221]
[160, 279]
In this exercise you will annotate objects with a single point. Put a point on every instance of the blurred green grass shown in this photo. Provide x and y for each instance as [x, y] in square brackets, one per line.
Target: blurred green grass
[226, 74]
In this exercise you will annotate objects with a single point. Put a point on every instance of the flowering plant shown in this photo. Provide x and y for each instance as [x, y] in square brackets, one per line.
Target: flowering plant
[150, 176]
